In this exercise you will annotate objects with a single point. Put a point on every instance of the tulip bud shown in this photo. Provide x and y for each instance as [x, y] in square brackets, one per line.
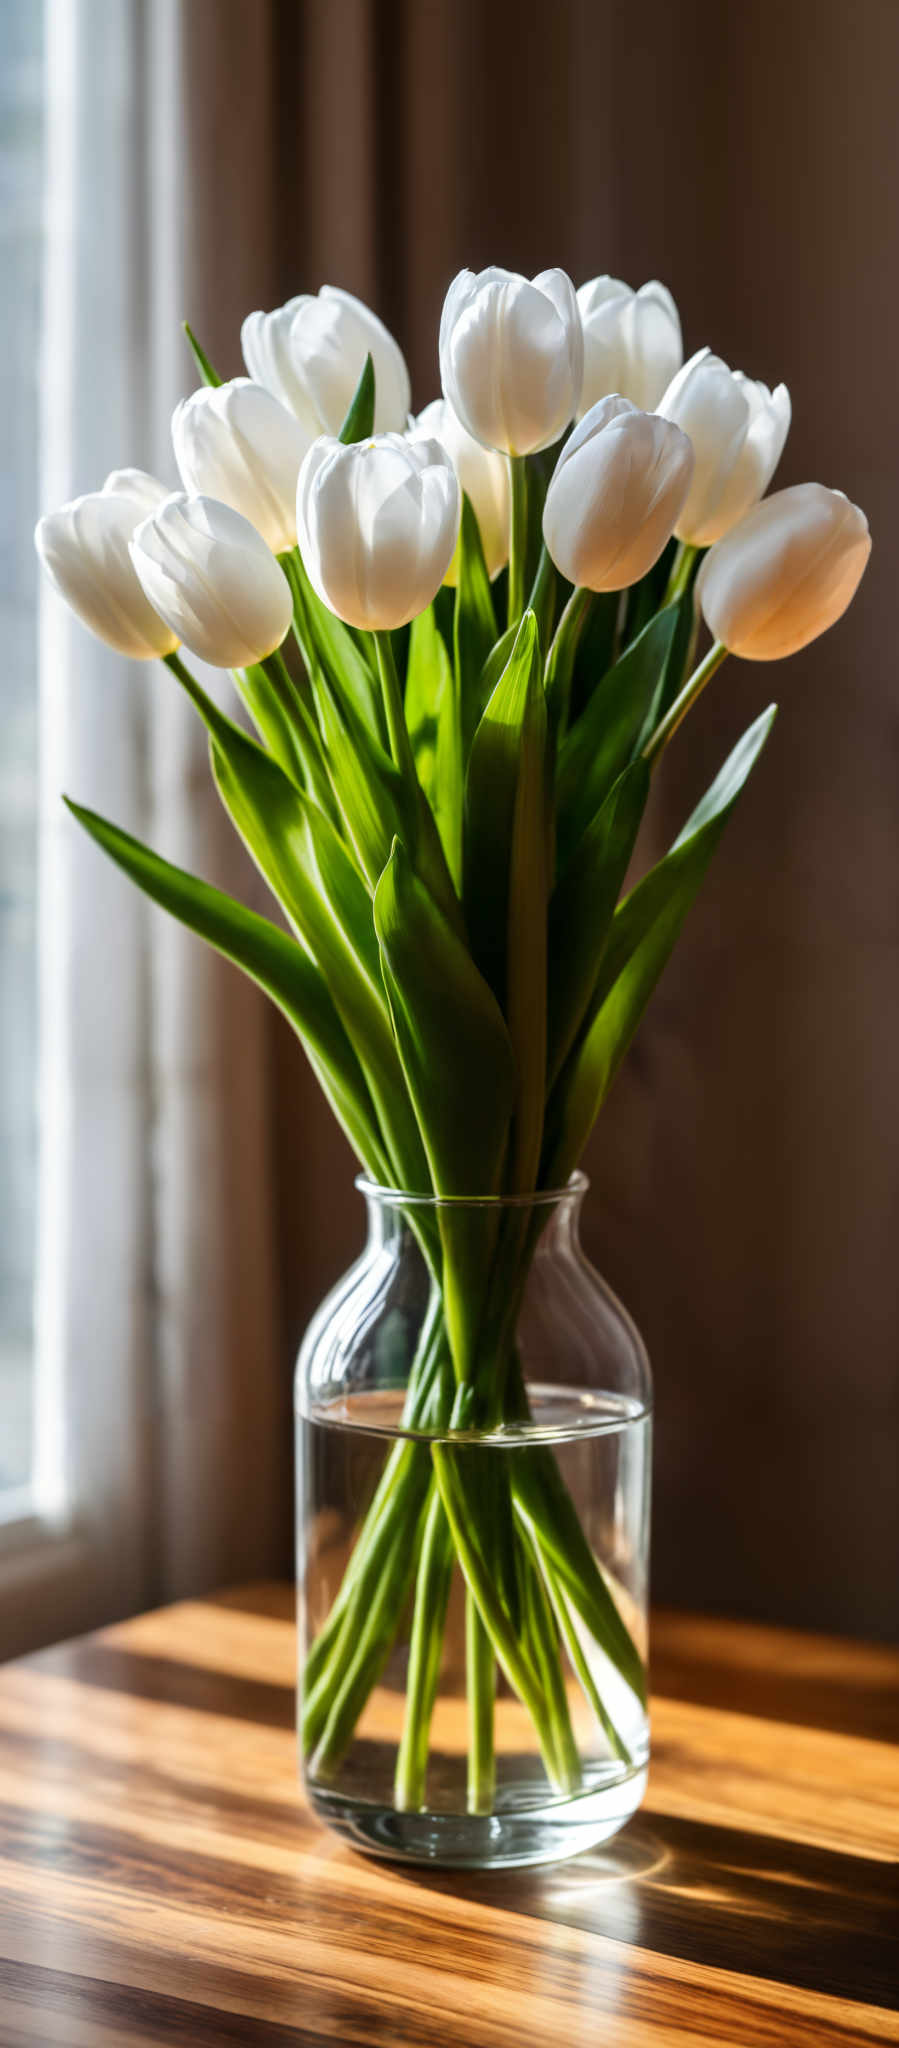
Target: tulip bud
[377, 523]
[615, 494]
[211, 576]
[632, 341]
[311, 354]
[84, 549]
[738, 429]
[483, 475]
[512, 357]
[235, 442]
[785, 573]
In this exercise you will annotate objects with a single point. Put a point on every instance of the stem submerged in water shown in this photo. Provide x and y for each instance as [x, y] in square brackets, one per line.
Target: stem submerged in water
[432, 1586]
[480, 1670]
[531, 1581]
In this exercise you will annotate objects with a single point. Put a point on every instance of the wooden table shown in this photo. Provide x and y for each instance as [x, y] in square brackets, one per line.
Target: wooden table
[161, 1881]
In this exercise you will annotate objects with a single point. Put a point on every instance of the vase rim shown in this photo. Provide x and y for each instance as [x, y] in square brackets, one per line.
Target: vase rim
[575, 1187]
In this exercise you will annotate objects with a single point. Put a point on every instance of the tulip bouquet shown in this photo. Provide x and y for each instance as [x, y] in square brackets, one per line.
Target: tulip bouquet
[464, 642]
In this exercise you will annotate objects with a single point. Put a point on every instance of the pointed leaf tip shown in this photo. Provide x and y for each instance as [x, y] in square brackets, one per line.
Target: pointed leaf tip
[359, 423]
[207, 373]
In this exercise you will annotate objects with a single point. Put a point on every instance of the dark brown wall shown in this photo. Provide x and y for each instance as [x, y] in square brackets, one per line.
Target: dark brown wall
[746, 1172]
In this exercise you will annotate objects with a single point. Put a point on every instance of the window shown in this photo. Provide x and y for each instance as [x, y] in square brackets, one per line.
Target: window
[73, 1151]
[21, 187]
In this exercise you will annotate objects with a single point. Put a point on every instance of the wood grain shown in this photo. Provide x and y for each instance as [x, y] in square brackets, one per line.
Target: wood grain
[161, 1880]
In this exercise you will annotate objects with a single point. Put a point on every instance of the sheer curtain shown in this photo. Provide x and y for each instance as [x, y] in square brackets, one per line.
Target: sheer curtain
[162, 1383]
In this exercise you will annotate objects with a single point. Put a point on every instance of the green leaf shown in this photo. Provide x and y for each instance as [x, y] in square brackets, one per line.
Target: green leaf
[506, 878]
[271, 719]
[378, 802]
[428, 675]
[490, 798]
[645, 598]
[673, 674]
[496, 662]
[452, 1040]
[359, 424]
[431, 707]
[271, 959]
[594, 651]
[207, 373]
[322, 893]
[546, 588]
[561, 658]
[460, 1073]
[458, 705]
[644, 930]
[370, 790]
[474, 623]
[582, 907]
[327, 644]
[602, 742]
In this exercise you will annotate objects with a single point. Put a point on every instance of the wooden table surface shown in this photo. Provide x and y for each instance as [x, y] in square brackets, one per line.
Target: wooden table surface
[162, 1882]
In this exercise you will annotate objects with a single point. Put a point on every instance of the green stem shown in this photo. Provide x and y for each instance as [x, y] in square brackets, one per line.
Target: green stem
[582, 1669]
[544, 1638]
[678, 711]
[480, 1678]
[272, 720]
[543, 1498]
[365, 1656]
[560, 659]
[307, 735]
[397, 729]
[681, 570]
[426, 1406]
[463, 1512]
[432, 1587]
[518, 537]
[289, 562]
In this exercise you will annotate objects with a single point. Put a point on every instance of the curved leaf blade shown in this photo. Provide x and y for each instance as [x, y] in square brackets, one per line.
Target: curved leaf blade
[603, 741]
[428, 674]
[474, 624]
[359, 424]
[582, 907]
[452, 1040]
[506, 811]
[269, 957]
[644, 930]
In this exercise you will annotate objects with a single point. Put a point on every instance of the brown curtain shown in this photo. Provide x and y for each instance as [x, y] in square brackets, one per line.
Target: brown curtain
[745, 1196]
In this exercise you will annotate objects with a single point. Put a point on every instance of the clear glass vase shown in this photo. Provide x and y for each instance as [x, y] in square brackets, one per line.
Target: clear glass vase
[473, 1471]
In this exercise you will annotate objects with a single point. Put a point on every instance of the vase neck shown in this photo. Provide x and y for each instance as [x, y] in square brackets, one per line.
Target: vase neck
[551, 1219]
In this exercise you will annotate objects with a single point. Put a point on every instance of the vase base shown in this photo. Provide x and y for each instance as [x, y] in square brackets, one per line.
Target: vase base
[505, 1840]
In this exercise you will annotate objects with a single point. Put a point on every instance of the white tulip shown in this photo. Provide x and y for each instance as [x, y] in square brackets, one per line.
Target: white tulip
[377, 524]
[311, 354]
[785, 573]
[738, 429]
[632, 341]
[84, 549]
[212, 577]
[483, 475]
[615, 495]
[236, 442]
[512, 357]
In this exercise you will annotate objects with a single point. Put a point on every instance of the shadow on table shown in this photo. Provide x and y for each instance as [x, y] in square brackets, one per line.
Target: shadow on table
[786, 1911]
